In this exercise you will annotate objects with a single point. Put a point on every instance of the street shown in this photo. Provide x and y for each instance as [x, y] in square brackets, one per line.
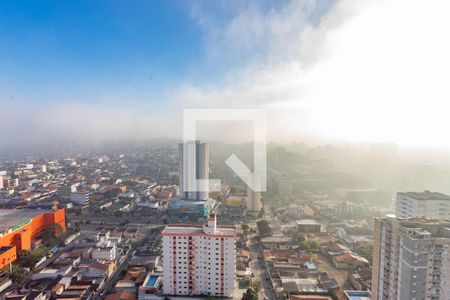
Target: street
[260, 272]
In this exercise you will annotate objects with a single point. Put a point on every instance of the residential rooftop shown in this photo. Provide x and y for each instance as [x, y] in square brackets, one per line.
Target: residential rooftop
[426, 195]
[189, 229]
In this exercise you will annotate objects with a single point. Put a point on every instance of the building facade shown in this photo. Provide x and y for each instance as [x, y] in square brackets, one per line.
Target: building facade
[194, 165]
[21, 229]
[199, 260]
[105, 252]
[80, 198]
[411, 259]
[426, 204]
[253, 200]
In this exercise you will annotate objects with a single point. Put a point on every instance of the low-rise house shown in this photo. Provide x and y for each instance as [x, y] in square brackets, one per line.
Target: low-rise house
[58, 289]
[286, 255]
[35, 295]
[300, 285]
[276, 242]
[361, 279]
[350, 261]
[104, 253]
[5, 281]
[334, 249]
[51, 273]
[97, 269]
[125, 285]
[309, 226]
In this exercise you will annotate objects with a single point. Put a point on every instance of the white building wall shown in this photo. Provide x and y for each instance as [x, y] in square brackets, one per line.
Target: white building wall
[194, 157]
[79, 198]
[408, 207]
[253, 200]
[104, 253]
[212, 256]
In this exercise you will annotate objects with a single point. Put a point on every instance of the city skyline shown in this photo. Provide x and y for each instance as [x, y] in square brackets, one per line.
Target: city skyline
[232, 149]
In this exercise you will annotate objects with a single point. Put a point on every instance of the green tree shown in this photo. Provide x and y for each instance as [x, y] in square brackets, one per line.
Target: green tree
[312, 245]
[365, 250]
[250, 294]
[261, 213]
[52, 236]
[18, 274]
[298, 237]
[245, 229]
[27, 259]
[264, 228]
[285, 294]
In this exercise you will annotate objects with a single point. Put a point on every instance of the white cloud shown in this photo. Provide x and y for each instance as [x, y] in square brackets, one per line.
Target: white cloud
[370, 70]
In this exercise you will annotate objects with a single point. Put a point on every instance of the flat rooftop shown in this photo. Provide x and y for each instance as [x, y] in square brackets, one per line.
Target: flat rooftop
[427, 195]
[196, 230]
[14, 217]
[308, 222]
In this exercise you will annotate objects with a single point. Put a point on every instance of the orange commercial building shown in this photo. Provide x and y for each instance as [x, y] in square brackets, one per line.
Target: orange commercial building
[21, 229]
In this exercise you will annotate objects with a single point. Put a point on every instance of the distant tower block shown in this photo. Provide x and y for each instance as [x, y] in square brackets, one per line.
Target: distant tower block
[194, 157]
[253, 200]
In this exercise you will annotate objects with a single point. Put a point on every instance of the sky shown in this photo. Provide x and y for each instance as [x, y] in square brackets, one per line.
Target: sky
[325, 71]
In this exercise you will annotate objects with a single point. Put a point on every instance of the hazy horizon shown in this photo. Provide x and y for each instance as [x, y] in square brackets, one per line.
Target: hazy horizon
[326, 71]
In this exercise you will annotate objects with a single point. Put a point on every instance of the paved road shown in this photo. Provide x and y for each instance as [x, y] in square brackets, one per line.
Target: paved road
[260, 273]
[111, 281]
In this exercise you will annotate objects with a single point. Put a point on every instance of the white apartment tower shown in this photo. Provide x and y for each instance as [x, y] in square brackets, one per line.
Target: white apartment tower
[427, 204]
[253, 200]
[411, 259]
[199, 260]
[194, 164]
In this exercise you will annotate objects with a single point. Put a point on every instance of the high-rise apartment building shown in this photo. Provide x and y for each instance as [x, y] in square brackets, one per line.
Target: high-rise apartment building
[253, 200]
[194, 166]
[426, 204]
[199, 260]
[411, 259]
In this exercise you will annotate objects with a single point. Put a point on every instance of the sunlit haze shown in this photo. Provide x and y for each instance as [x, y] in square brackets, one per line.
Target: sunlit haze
[344, 71]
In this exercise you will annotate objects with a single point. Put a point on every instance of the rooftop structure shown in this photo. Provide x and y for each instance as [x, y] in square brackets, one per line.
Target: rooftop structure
[425, 204]
[201, 208]
[11, 218]
[426, 195]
